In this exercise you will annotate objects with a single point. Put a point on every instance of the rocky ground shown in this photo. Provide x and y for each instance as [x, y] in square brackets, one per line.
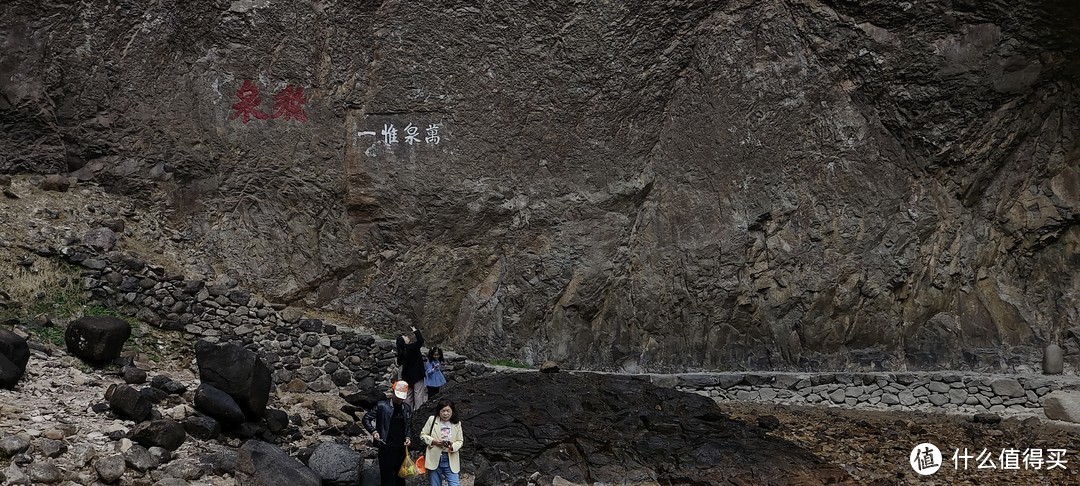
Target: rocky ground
[53, 407]
[874, 446]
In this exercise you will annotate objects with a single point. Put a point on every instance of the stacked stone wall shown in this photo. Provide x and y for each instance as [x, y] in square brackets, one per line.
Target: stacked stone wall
[947, 392]
[310, 354]
[306, 353]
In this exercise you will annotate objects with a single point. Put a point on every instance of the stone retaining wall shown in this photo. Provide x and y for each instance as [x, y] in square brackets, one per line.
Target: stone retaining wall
[309, 354]
[306, 353]
[942, 391]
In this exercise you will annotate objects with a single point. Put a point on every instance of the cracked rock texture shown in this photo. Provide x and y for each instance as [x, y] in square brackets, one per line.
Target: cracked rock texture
[638, 186]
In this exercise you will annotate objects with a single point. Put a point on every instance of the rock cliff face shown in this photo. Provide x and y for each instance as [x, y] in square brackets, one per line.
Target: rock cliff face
[646, 185]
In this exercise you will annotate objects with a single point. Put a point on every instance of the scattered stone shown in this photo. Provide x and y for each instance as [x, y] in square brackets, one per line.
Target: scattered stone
[55, 182]
[549, 367]
[110, 468]
[14, 444]
[100, 239]
[1062, 405]
[165, 433]
[44, 472]
[768, 422]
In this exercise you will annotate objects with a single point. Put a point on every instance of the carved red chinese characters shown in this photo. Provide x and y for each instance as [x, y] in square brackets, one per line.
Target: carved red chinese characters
[288, 103]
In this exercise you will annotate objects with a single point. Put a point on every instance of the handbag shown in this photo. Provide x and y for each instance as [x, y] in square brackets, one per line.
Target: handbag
[420, 463]
[408, 467]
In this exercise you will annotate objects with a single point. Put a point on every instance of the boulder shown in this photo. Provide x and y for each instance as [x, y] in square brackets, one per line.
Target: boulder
[202, 427]
[336, 464]
[97, 339]
[238, 372]
[1007, 387]
[55, 182]
[166, 433]
[127, 402]
[549, 367]
[1053, 360]
[14, 354]
[9, 373]
[562, 423]
[100, 239]
[219, 405]
[261, 464]
[1062, 405]
[14, 347]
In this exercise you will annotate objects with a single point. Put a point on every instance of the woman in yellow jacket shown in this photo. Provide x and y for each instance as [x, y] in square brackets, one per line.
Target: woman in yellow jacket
[442, 434]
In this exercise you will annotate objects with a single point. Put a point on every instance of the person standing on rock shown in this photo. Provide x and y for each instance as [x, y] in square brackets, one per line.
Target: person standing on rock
[443, 436]
[388, 422]
[411, 359]
[433, 376]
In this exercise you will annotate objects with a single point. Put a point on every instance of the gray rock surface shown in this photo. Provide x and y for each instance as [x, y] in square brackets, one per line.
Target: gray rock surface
[648, 186]
[1063, 405]
[336, 464]
[524, 422]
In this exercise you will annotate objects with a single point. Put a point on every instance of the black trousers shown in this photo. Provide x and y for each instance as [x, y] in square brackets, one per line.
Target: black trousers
[390, 459]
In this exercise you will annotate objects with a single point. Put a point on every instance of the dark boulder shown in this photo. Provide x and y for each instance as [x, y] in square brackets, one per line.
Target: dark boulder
[611, 429]
[97, 339]
[168, 385]
[261, 464]
[9, 373]
[14, 354]
[277, 421]
[219, 405]
[202, 427]
[238, 372]
[166, 433]
[365, 399]
[14, 347]
[127, 402]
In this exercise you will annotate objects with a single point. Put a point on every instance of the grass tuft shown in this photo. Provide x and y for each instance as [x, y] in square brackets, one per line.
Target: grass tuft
[509, 363]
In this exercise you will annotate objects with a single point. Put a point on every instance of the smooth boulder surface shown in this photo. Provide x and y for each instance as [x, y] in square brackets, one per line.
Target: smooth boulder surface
[97, 339]
[1062, 405]
[601, 428]
[236, 371]
[15, 348]
[219, 405]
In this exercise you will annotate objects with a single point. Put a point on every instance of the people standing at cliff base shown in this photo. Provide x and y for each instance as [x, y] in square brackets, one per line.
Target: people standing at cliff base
[388, 422]
[444, 438]
[411, 359]
[433, 376]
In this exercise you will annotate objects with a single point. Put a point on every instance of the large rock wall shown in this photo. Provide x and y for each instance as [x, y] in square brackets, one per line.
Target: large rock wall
[642, 186]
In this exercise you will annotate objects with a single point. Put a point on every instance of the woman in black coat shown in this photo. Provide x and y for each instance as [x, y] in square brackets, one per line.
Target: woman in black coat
[411, 360]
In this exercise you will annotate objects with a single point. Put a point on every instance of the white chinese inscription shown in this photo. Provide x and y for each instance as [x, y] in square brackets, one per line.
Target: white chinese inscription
[411, 135]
